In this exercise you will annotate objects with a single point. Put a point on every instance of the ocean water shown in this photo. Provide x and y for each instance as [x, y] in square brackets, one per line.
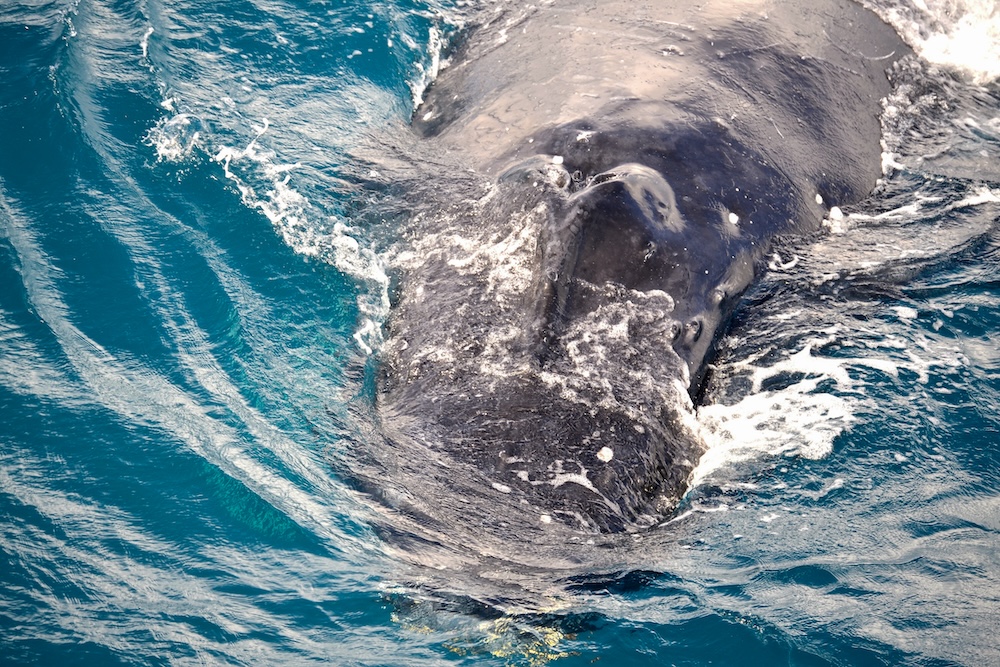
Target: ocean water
[195, 220]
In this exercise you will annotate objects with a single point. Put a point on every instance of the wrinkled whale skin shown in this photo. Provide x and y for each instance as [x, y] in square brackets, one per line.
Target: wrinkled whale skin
[658, 150]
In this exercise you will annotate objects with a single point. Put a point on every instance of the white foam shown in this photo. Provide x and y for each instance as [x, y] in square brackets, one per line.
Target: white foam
[980, 195]
[428, 72]
[963, 35]
[145, 42]
[821, 394]
[797, 420]
[314, 125]
[329, 239]
[777, 263]
[175, 138]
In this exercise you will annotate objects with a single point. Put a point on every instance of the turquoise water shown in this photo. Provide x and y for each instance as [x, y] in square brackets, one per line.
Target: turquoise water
[191, 276]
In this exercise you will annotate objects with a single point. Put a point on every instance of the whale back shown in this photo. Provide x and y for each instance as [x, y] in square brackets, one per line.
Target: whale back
[799, 81]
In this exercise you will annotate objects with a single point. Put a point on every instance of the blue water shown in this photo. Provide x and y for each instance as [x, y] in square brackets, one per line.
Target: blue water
[192, 275]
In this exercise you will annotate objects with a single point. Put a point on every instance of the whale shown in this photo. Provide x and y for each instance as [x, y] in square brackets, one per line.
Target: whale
[604, 182]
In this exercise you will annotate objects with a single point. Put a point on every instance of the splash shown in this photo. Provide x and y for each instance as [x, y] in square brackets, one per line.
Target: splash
[176, 138]
[330, 240]
[796, 420]
[963, 35]
[427, 73]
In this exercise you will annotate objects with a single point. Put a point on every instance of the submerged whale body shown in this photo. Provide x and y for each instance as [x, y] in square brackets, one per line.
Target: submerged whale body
[636, 163]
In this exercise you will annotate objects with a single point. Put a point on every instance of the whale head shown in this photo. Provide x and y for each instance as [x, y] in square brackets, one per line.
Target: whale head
[560, 327]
